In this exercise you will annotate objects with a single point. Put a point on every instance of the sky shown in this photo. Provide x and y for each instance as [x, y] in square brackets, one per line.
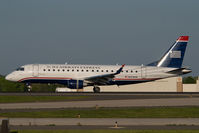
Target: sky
[131, 32]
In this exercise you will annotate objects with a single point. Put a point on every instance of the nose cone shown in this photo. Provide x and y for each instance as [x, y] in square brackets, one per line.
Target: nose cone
[9, 77]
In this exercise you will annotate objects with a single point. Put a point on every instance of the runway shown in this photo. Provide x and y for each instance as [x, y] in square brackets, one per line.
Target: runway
[105, 103]
[112, 127]
[104, 121]
[96, 94]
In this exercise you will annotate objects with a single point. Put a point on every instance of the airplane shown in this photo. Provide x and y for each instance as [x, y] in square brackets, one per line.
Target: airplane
[80, 76]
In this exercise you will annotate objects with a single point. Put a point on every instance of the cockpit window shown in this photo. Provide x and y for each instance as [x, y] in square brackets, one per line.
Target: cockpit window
[20, 69]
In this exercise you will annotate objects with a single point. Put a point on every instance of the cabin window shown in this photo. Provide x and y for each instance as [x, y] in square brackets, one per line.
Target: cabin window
[58, 70]
[97, 70]
[68, 70]
[53, 69]
[63, 70]
[44, 69]
[136, 71]
[102, 71]
[20, 69]
[48, 69]
[72, 70]
[92, 70]
[82, 70]
[131, 71]
[127, 71]
[77, 70]
[111, 70]
[106, 70]
[86, 70]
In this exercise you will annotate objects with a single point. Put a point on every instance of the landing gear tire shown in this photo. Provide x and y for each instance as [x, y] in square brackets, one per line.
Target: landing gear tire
[96, 89]
[28, 87]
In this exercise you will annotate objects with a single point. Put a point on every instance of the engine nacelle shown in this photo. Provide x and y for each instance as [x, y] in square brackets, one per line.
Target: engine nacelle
[75, 84]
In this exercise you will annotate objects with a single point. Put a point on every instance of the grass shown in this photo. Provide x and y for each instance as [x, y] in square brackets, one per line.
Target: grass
[139, 112]
[108, 131]
[19, 99]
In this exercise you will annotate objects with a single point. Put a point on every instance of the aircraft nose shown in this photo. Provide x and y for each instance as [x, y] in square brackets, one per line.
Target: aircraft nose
[8, 77]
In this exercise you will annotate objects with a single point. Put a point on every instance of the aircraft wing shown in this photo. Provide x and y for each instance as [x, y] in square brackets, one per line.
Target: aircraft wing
[104, 79]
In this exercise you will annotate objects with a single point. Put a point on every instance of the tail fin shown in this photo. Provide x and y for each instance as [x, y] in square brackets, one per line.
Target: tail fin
[175, 55]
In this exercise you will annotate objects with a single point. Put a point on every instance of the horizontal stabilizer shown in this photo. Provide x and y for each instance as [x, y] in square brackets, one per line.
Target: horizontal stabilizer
[180, 71]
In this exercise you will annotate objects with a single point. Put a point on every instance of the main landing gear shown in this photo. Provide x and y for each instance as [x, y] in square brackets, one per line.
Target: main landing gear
[96, 89]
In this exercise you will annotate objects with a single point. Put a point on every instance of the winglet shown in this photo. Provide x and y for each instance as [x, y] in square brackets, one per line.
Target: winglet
[119, 71]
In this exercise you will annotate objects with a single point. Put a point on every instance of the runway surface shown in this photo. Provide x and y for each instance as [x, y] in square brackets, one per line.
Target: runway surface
[104, 121]
[85, 127]
[101, 94]
[105, 103]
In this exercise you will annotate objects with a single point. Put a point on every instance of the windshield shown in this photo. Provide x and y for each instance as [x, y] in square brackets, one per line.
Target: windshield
[20, 69]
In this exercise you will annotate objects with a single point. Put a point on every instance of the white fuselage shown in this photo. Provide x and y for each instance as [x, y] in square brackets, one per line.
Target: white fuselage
[49, 72]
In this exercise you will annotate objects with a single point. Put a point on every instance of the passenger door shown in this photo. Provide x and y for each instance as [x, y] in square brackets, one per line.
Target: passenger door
[143, 71]
[35, 70]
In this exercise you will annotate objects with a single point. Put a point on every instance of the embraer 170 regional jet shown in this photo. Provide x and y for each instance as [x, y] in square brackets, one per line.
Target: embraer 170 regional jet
[80, 76]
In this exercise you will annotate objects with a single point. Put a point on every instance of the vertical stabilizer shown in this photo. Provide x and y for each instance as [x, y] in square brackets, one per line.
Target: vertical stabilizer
[175, 55]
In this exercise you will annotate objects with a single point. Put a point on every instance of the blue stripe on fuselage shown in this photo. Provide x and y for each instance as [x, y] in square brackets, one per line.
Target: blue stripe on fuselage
[64, 82]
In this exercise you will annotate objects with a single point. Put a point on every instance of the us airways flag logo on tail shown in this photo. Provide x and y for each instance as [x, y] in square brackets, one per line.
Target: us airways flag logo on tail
[175, 54]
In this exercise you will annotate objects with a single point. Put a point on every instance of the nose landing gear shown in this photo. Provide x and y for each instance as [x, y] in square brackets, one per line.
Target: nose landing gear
[96, 89]
[29, 87]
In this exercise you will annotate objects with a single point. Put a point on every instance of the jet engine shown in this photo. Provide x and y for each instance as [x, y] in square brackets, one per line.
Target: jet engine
[75, 84]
